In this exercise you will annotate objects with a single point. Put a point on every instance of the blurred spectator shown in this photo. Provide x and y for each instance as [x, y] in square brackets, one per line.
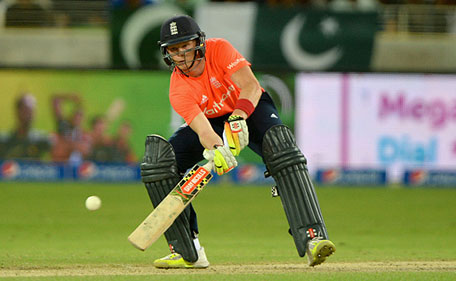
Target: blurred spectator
[121, 143]
[286, 3]
[24, 142]
[71, 142]
[80, 12]
[26, 13]
[367, 5]
[101, 149]
[106, 149]
[342, 5]
[451, 18]
[132, 3]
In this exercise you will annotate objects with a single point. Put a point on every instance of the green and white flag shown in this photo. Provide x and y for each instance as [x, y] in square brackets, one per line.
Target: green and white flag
[270, 38]
[135, 33]
[311, 40]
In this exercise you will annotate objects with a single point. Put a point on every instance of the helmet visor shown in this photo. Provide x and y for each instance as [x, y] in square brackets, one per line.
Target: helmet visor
[185, 65]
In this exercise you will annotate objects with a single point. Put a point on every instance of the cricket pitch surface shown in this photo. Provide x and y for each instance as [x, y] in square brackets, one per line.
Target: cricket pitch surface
[131, 270]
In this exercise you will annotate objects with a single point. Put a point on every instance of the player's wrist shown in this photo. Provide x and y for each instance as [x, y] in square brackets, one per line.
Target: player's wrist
[239, 112]
[244, 107]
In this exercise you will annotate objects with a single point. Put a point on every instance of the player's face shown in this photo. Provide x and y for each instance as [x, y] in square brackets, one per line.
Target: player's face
[183, 54]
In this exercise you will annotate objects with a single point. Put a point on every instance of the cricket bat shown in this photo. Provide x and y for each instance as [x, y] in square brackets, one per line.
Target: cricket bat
[163, 216]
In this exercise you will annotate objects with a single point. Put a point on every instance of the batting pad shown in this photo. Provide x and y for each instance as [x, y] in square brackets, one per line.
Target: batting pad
[287, 165]
[160, 175]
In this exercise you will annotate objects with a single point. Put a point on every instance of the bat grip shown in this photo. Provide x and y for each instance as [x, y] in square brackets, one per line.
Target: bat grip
[209, 166]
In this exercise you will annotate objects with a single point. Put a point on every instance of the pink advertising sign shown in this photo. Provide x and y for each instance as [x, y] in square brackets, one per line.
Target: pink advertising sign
[392, 121]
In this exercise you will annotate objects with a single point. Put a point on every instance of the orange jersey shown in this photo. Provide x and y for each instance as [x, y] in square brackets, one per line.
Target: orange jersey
[213, 92]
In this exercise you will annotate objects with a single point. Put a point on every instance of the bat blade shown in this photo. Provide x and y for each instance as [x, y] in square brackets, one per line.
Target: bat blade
[163, 216]
[157, 222]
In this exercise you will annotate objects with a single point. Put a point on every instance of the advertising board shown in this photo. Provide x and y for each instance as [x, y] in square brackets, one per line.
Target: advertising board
[391, 121]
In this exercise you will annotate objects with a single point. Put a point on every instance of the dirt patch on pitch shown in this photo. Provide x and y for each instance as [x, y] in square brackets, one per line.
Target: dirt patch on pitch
[126, 270]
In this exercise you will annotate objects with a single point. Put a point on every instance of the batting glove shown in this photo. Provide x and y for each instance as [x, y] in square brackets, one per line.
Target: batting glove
[236, 134]
[224, 160]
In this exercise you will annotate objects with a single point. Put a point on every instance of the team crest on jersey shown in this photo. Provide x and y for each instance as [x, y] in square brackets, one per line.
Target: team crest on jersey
[173, 28]
[215, 82]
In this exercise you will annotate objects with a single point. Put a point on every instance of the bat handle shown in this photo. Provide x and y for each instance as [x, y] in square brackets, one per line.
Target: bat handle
[209, 166]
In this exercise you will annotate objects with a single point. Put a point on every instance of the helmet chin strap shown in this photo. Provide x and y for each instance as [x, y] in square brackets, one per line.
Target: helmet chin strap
[189, 68]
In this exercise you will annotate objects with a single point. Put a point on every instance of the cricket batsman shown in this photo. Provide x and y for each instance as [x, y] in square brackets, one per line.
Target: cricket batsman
[225, 109]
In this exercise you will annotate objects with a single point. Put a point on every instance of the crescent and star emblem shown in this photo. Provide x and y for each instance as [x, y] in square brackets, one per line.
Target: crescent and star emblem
[299, 58]
[138, 25]
[149, 17]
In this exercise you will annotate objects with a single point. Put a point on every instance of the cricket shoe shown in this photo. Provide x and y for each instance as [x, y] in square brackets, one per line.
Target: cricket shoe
[318, 250]
[175, 260]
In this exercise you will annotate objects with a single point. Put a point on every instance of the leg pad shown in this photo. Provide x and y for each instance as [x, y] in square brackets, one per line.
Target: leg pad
[288, 166]
[159, 174]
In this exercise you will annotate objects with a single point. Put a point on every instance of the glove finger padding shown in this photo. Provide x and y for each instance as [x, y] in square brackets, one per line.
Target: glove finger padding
[236, 134]
[224, 160]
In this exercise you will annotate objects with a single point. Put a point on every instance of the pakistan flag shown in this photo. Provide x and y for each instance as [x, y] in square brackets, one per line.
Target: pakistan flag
[312, 40]
[135, 33]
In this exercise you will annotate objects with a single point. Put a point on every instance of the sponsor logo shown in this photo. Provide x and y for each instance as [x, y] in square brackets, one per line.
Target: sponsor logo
[194, 181]
[234, 63]
[10, 169]
[251, 173]
[87, 170]
[248, 173]
[311, 232]
[347, 176]
[437, 112]
[30, 171]
[36, 171]
[203, 99]
[274, 116]
[217, 106]
[106, 172]
[422, 177]
[235, 127]
[330, 176]
[417, 176]
[404, 149]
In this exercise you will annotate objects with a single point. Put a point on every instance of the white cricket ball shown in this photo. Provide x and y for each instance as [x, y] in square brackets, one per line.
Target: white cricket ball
[93, 203]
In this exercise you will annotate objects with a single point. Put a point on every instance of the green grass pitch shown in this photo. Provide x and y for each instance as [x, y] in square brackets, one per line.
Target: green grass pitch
[380, 234]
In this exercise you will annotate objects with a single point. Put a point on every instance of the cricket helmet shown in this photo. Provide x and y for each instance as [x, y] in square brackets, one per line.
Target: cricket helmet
[179, 29]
